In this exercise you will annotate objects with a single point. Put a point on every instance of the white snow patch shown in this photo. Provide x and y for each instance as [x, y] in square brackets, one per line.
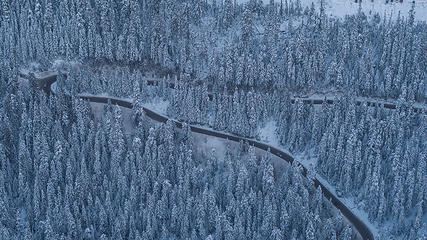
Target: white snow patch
[268, 133]
[60, 64]
[45, 74]
[158, 105]
[307, 161]
[53, 87]
[31, 67]
[210, 144]
[341, 8]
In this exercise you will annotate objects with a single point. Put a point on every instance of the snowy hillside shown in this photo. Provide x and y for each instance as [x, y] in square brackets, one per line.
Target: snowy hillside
[325, 104]
[341, 8]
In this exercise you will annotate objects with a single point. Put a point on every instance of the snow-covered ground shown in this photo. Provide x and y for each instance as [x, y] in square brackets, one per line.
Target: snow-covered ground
[53, 87]
[58, 64]
[37, 73]
[30, 67]
[65, 65]
[267, 133]
[210, 144]
[341, 8]
[45, 74]
[158, 105]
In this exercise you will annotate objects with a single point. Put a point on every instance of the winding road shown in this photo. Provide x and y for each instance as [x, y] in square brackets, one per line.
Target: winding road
[45, 79]
[46, 82]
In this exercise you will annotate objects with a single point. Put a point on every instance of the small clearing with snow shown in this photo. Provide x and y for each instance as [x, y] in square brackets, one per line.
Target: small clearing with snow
[268, 133]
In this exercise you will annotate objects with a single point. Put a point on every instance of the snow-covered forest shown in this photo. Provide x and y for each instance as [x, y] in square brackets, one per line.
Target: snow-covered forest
[231, 66]
[75, 178]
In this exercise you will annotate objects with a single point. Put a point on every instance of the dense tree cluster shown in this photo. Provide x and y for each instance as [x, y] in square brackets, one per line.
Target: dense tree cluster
[359, 148]
[226, 44]
[375, 155]
[65, 175]
[235, 67]
[240, 112]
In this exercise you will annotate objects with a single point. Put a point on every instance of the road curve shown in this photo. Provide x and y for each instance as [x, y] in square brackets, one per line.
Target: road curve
[49, 77]
[360, 226]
